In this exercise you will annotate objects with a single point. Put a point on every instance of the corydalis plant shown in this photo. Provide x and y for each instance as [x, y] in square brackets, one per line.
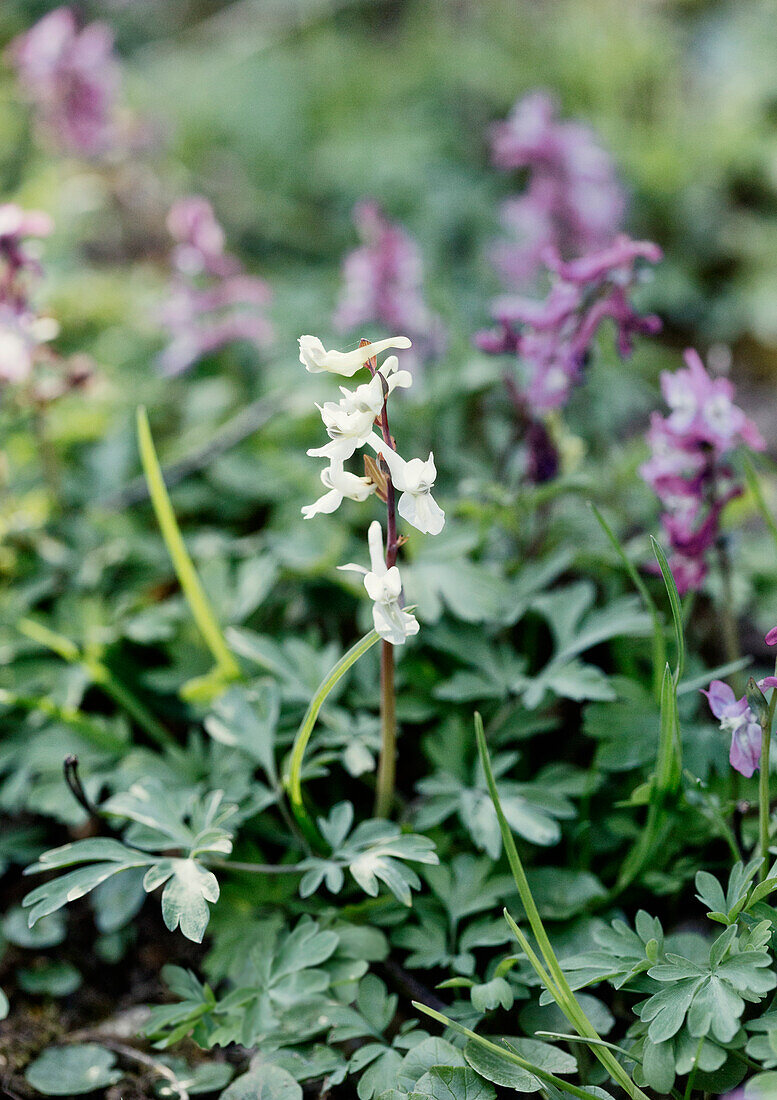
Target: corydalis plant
[383, 284]
[689, 469]
[551, 339]
[572, 200]
[749, 720]
[70, 76]
[350, 424]
[212, 301]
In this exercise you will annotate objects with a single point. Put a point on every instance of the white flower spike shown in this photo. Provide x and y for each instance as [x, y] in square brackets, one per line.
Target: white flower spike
[414, 480]
[349, 421]
[341, 485]
[384, 587]
[315, 358]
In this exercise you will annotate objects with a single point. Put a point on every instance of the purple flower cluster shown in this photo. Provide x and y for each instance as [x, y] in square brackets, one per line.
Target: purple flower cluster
[573, 200]
[213, 302]
[552, 337]
[383, 284]
[687, 468]
[21, 330]
[736, 718]
[70, 77]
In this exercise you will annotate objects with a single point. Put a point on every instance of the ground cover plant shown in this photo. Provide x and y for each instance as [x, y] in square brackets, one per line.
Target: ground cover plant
[450, 779]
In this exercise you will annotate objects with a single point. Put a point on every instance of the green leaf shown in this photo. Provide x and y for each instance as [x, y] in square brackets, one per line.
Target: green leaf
[184, 899]
[56, 979]
[761, 1087]
[264, 1082]
[501, 1071]
[247, 719]
[426, 1054]
[73, 1070]
[452, 1083]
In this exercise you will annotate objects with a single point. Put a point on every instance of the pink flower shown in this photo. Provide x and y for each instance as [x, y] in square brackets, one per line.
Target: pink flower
[553, 336]
[771, 637]
[737, 719]
[572, 200]
[383, 283]
[687, 468]
[70, 76]
[212, 302]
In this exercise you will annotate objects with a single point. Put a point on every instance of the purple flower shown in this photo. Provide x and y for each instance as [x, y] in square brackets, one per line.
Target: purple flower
[687, 468]
[572, 199]
[383, 283]
[771, 637]
[212, 302]
[70, 77]
[553, 337]
[737, 719]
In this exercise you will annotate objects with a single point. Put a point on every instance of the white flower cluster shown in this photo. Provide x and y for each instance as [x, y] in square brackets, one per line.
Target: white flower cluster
[350, 425]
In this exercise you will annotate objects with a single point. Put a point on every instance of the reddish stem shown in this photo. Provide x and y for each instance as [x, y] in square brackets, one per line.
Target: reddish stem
[386, 776]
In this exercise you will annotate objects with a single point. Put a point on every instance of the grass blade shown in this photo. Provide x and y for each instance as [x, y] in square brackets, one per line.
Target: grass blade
[559, 987]
[183, 565]
[677, 610]
[507, 1053]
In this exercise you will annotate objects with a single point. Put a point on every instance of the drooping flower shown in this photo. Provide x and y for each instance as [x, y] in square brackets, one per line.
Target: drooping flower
[340, 485]
[316, 359]
[572, 199]
[384, 587]
[383, 283]
[414, 480]
[212, 302]
[688, 468]
[736, 718]
[70, 77]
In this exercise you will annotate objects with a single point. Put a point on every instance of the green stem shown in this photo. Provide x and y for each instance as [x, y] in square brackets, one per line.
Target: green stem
[293, 781]
[659, 642]
[692, 1074]
[199, 604]
[505, 1052]
[764, 798]
[387, 765]
[559, 988]
[754, 485]
[255, 868]
[101, 675]
[91, 731]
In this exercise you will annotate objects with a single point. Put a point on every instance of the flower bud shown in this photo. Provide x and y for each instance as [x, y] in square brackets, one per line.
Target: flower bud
[756, 700]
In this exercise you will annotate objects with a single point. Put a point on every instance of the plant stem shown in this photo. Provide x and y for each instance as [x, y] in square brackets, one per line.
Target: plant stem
[764, 799]
[199, 604]
[293, 781]
[728, 619]
[553, 978]
[387, 763]
[100, 674]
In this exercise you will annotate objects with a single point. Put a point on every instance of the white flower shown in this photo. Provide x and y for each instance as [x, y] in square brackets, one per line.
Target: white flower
[414, 480]
[315, 358]
[384, 587]
[350, 420]
[20, 335]
[340, 484]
